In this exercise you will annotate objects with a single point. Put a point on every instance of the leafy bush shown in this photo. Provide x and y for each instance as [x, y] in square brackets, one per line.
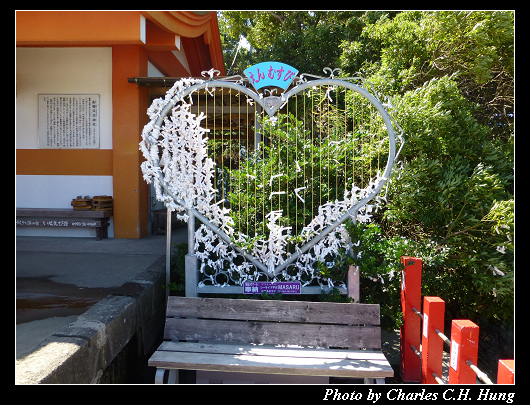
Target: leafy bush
[178, 270]
[451, 78]
[295, 159]
[452, 206]
[308, 176]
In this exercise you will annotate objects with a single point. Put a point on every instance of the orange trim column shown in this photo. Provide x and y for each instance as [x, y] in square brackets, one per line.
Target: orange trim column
[72, 162]
[129, 106]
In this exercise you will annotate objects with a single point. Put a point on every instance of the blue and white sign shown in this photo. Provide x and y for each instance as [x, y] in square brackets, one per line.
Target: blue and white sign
[271, 74]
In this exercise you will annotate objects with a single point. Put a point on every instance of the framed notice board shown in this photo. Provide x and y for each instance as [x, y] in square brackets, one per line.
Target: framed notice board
[69, 121]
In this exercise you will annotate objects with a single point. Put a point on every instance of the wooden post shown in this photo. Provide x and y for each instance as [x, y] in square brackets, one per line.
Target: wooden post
[464, 347]
[506, 372]
[354, 284]
[410, 330]
[431, 344]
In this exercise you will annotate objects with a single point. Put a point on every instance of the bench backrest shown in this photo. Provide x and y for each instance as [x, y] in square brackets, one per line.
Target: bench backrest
[323, 324]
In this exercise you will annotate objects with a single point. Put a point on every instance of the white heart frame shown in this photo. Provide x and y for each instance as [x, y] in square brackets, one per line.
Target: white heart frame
[185, 184]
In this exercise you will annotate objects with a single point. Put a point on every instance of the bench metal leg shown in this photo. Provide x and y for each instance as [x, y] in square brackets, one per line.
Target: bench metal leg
[172, 376]
[159, 375]
[374, 380]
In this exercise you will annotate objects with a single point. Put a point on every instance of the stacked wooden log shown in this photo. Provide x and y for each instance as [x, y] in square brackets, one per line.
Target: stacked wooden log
[96, 203]
[102, 203]
[82, 204]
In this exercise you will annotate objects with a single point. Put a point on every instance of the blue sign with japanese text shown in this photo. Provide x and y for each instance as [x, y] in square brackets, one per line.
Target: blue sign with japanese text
[271, 74]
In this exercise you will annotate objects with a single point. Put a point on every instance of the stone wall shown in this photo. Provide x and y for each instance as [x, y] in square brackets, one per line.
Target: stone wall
[109, 342]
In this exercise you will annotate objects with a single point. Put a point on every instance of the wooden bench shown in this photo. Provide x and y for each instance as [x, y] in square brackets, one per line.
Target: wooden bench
[65, 218]
[252, 336]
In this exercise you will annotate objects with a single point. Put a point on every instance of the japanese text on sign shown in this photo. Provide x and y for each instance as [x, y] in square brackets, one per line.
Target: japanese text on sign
[271, 74]
[69, 121]
[258, 287]
[57, 223]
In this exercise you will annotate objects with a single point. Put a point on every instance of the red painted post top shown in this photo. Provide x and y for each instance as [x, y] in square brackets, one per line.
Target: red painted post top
[411, 328]
[506, 373]
[464, 347]
[431, 344]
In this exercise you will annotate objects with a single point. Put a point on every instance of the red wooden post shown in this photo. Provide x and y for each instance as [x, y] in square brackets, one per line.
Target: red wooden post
[464, 347]
[506, 373]
[410, 330]
[431, 344]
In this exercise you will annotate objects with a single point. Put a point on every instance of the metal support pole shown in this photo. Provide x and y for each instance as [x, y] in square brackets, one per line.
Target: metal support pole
[168, 249]
[257, 132]
[191, 232]
[191, 261]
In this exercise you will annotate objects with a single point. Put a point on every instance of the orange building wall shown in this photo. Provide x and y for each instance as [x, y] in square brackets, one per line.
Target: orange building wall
[90, 28]
[72, 162]
[134, 37]
[129, 106]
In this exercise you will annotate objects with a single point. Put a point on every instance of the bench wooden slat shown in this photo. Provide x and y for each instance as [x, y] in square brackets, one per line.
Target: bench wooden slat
[272, 337]
[282, 311]
[269, 350]
[355, 337]
[250, 363]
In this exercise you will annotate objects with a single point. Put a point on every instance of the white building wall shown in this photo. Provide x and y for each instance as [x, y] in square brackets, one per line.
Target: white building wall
[60, 71]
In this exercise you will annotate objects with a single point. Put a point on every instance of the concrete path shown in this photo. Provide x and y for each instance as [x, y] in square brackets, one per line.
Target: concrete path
[58, 279]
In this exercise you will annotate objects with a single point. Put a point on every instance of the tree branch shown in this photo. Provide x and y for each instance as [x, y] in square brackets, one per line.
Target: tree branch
[277, 16]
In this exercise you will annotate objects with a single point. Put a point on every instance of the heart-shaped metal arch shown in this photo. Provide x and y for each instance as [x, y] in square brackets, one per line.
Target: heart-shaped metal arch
[271, 111]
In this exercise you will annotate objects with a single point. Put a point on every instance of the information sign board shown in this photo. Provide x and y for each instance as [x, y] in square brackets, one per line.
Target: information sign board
[69, 121]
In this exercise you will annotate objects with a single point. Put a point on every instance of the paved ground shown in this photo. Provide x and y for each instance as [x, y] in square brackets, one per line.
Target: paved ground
[390, 342]
[58, 279]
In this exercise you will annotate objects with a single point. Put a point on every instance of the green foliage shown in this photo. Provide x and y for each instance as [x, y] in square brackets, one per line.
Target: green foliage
[334, 296]
[178, 271]
[478, 43]
[294, 158]
[458, 157]
[449, 193]
[379, 258]
[451, 78]
[475, 48]
[308, 40]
